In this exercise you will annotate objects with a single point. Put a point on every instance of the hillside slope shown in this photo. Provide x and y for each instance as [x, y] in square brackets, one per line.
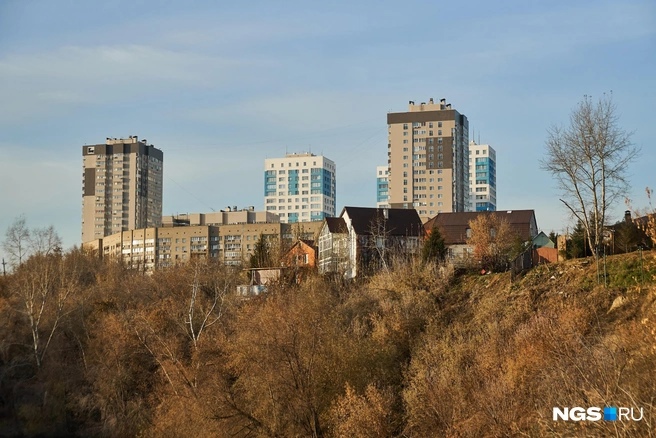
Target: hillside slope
[500, 355]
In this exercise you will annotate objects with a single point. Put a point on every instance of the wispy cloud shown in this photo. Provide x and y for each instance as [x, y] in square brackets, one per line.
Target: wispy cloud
[37, 83]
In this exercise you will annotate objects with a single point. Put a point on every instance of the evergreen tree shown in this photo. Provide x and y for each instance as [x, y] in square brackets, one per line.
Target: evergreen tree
[434, 248]
[554, 238]
[261, 257]
[577, 243]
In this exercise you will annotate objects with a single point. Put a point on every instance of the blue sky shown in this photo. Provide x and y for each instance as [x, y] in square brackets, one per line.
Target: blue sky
[220, 86]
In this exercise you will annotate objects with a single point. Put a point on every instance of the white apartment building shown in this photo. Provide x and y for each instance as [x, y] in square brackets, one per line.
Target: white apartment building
[300, 187]
[482, 177]
[382, 187]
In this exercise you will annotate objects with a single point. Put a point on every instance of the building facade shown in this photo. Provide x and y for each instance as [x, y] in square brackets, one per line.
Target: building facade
[455, 228]
[382, 187]
[121, 187]
[364, 240]
[230, 244]
[427, 158]
[301, 187]
[231, 215]
[482, 177]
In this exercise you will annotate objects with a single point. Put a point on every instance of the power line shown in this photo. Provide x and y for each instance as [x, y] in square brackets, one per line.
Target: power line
[189, 192]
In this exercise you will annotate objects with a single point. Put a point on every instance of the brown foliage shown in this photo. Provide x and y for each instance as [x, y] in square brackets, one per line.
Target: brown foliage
[407, 352]
[493, 240]
[366, 415]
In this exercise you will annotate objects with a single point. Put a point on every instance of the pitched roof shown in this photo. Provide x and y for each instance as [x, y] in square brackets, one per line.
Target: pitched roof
[300, 242]
[453, 226]
[396, 221]
[336, 225]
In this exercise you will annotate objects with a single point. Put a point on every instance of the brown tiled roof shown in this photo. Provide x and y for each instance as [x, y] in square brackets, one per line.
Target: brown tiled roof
[453, 226]
[398, 221]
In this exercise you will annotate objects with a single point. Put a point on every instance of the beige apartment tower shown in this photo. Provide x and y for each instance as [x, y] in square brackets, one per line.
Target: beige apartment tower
[428, 161]
[121, 187]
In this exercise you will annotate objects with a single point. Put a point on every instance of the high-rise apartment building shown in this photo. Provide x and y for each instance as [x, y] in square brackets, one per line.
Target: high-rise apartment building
[300, 187]
[122, 187]
[428, 160]
[382, 187]
[482, 177]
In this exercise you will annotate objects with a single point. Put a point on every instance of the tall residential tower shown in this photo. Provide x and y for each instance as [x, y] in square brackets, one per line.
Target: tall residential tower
[300, 187]
[482, 177]
[428, 159]
[121, 188]
[382, 187]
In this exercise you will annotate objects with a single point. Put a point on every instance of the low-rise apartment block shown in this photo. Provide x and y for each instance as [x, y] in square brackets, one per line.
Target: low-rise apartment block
[230, 244]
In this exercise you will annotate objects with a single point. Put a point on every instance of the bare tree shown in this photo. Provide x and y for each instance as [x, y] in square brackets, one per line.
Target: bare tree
[21, 242]
[378, 243]
[46, 287]
[16, 241]
[44, 241]
[589, 160]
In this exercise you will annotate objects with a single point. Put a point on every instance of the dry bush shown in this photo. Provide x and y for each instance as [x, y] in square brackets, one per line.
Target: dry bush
[494, 241]
[284, 360]
[366, 415]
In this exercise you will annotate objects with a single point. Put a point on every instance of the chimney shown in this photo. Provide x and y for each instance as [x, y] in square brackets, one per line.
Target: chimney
[627, 216]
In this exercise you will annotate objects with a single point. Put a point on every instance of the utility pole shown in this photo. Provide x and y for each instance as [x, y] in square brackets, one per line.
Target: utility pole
[4, 271]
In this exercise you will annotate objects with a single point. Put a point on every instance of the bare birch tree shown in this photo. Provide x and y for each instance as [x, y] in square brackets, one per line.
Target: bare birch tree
[46, 287]
[589, 160]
